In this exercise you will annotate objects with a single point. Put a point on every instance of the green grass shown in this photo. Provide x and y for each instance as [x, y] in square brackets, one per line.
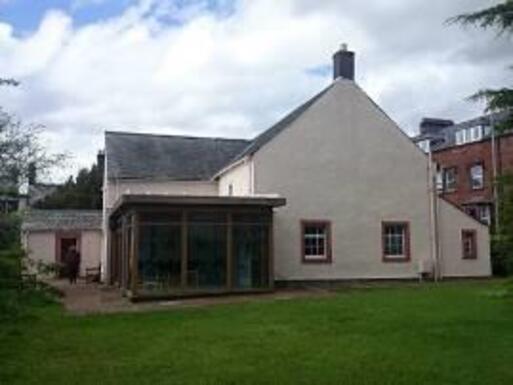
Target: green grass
[457, 333]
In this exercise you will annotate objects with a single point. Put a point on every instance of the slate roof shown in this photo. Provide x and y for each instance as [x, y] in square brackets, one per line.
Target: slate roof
[447, 137]
[147, 156]
[39, 220]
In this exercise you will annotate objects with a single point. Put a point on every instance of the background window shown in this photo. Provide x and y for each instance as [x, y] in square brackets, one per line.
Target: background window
[449, 175]
[476, 176]
[460, 139]
[424, 145]
[484, 214]
[469, 244]
[316, 241]
[476, 134]
[396, 242]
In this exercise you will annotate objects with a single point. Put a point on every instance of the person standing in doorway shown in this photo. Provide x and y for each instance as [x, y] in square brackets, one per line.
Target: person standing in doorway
[73, 264]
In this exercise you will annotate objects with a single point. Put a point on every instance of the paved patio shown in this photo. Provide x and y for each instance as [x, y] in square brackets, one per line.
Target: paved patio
[83, 299]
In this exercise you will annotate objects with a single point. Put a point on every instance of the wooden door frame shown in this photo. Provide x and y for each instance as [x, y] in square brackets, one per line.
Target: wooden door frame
[59, 235]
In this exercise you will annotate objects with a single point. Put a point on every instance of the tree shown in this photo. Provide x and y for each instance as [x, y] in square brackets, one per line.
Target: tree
[20, 151]
[82, 192]
[499, 17]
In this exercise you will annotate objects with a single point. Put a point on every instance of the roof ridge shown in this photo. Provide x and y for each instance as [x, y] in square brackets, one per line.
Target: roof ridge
[175, 136]
[268, 134]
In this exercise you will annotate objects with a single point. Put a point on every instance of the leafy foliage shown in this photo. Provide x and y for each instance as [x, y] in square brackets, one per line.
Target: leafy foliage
[502, 240]
[20, 151]
[19, 288]
[499, 16]
[82, 192]
[20, 146]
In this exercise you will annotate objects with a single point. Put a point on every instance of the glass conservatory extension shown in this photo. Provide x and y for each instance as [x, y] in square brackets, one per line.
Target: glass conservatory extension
[164, 246]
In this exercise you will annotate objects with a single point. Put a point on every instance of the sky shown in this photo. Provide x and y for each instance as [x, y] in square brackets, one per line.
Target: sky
[231, 68]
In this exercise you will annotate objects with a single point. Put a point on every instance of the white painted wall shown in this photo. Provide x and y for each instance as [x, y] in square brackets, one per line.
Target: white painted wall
[115, 188]
[239, 177]
[345, 161]
[452, 221]
[41, 246]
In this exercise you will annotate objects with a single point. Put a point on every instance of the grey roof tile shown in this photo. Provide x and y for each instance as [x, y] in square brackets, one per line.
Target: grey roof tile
[40, 220]
[147, 156]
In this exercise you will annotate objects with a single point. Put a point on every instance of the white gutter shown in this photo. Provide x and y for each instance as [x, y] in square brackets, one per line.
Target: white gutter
[229, 167]
[433, 218]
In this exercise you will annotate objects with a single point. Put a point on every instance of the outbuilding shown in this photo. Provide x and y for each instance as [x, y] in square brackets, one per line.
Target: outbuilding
[48, 234]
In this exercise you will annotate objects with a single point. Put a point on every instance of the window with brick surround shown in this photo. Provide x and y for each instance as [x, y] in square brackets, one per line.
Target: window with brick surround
[449, 178]
[477, 176]
[316, 241]
[469, 244]
[395, 241]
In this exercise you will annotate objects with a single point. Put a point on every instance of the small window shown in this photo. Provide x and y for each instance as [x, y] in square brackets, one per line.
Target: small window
[439, 181]
[424, 145]
[477, 177]
[469, 244]
[476, 133]
[449, 175]
[396, 241]
[460, 137]
[316, 241]
[484, 214]
[230, 189]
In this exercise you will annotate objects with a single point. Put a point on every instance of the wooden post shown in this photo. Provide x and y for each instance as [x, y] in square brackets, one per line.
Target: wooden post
[229, 252]
[123, 255]
[271, 251]
[184, 250]
[111, 255]
[134, 253]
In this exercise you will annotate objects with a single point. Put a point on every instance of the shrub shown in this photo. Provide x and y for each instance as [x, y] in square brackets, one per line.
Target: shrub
[502, 255]
[18, 289]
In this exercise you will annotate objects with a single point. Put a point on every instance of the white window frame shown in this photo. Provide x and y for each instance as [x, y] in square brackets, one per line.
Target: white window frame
[479, 178]
[445, 179]
[403, 238]
[484, 214]
[476, 134]
[323, 236]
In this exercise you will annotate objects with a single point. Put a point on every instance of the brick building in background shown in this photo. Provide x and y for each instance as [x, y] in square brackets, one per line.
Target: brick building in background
[467, 161]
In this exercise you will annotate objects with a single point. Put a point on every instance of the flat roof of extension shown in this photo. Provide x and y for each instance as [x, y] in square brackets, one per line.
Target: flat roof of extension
[196, 200]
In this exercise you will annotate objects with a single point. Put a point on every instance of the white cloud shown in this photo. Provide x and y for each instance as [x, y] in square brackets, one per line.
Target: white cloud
[233, 75]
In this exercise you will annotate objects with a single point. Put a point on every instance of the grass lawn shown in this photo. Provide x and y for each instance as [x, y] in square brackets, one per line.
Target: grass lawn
[455, 333]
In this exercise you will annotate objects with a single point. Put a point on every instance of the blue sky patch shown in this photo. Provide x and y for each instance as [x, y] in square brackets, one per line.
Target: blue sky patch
[322, 70]
[25, 15]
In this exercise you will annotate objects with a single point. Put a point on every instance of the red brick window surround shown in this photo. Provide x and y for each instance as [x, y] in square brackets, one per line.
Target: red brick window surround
[395, 237]
[450, 181]
[316, 241]
[469, 244]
